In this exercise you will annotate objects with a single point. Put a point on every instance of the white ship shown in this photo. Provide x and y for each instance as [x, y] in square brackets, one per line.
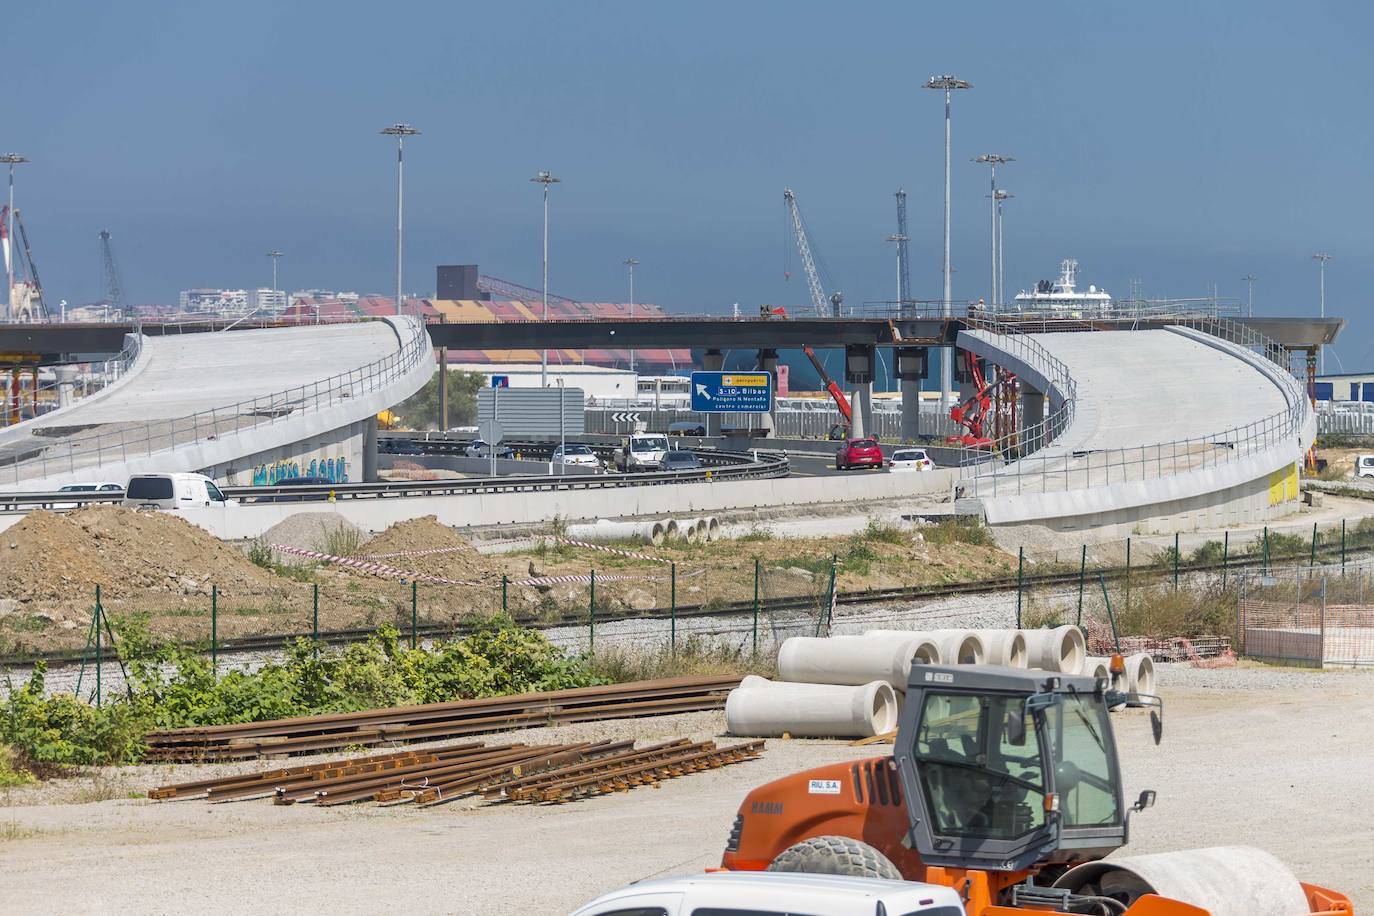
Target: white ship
[1060, 298]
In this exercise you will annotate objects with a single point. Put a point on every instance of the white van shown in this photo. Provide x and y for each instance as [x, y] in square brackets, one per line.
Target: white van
[172, 491]
[1364, 466]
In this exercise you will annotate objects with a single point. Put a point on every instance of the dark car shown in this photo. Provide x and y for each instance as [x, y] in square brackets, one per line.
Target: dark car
[858, 453]
[679, 460]
[686, 428]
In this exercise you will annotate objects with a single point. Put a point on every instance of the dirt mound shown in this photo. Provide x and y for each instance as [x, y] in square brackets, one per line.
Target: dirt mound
[458, 559]
[311, 531]
[57, 557]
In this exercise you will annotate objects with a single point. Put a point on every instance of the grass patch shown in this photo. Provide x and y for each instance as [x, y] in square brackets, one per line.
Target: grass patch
[260, 553]
[693, 656]
[343, 541]
[11, 830]
[758, 533]
[957, 531]
[885, 534]
[1159, 611]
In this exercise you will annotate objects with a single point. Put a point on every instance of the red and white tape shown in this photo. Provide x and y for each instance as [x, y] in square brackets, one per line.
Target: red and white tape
[615, 550]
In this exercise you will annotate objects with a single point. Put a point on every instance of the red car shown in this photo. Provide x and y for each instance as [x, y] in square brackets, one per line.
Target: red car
[858, 453]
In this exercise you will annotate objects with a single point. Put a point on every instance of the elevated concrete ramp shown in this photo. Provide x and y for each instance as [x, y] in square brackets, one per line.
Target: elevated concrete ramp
[227, 402]
[1171, 427]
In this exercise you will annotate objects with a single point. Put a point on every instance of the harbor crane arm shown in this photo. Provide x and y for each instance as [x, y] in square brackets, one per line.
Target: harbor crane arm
[813, 280]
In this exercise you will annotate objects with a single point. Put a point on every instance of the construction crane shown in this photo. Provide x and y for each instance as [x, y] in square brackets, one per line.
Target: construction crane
[903, 254]
[813, 280]
[26, 298]
[841, 402]
[114, 289]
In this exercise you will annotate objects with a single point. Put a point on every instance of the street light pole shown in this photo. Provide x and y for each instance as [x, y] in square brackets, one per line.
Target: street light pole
[1250, 308]
[994, 160]
[1321, 258]
[898, 240]
[12, 159]
[400, 132]
[948, 84]
[274, 254]
[545, 179]
[998, 198]
[630, 263]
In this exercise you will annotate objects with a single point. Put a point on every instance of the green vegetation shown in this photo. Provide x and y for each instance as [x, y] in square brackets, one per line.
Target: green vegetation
[260, 553]
[958, 531]
[172, 686]
[886, 534]
[343, 541]
[1160, 611]
[1209, 552]
[421, 409]
[693, 656]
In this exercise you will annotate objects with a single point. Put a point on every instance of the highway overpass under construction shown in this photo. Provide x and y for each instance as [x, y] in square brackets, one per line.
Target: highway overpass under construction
[1089, 448]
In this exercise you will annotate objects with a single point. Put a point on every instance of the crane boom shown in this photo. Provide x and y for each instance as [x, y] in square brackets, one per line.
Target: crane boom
[114, 288]
[813, 280]
[32, 267]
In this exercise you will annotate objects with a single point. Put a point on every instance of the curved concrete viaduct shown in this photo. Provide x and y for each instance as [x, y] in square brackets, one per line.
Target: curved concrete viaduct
[1156, 430]
[237, 406]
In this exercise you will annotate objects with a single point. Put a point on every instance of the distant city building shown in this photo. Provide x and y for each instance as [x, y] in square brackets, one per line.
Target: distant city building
[266, 300]
[214, 300]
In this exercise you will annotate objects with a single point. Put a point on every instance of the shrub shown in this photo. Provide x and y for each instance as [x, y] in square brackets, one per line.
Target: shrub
[343, 541]
[885, 534]
[64, 730]
[957, 531]
[1209, 552]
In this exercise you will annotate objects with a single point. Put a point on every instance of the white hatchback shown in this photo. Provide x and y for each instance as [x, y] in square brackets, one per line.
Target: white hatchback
[763, 893]
[910, 459]
[574, 453]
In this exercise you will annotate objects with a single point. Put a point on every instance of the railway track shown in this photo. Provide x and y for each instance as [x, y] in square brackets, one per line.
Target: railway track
[433, 629]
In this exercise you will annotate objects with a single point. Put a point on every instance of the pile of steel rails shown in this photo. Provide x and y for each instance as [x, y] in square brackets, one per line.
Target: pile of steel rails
[436, 721]
[549, 773]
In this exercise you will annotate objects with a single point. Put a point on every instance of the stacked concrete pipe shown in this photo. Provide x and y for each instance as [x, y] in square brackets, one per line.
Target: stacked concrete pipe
[1101, 666]
[1004, 647]
[759, 708]
[603, 531]
[1060, 649]
[851, 660]
[1140, 678]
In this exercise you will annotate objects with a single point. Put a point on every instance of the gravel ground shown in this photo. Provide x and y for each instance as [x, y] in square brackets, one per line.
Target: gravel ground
[1273, 759]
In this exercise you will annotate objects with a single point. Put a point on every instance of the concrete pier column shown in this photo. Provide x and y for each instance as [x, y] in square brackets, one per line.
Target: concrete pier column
[1032, 414]
[858, 375]
[66, 378]
[370, 474]
[768, 362]
[911, 365]
[713, 361]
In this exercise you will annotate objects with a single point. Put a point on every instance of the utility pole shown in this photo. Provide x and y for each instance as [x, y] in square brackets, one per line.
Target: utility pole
[545, 179]
[630, 263]
[994, 160]
[948, 84]
[1250, 306]
[1321, 258]
[11, 159]
[400, 132]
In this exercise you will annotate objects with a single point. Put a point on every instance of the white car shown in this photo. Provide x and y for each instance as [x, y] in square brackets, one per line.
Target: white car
[910, 459]
[765, 893]
[574, 453]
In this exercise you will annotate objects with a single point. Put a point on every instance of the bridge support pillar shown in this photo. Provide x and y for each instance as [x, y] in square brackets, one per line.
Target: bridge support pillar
[713, 361]
[911, 366]
[1032, 414]
[768, 362]
[443, 389]
[370, 474]
[858, 373]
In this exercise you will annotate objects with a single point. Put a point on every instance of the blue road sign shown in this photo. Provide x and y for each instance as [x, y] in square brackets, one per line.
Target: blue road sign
[500, 381]
[721, 392]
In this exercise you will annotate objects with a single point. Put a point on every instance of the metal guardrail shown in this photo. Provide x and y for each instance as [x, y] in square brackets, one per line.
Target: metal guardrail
[146, 438]
[1019, 463]
[730, 466]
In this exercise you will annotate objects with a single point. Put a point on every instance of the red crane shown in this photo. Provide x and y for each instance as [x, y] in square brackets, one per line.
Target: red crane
[836, 394]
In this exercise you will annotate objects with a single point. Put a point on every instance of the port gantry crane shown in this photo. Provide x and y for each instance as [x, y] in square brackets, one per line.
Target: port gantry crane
[818, 301]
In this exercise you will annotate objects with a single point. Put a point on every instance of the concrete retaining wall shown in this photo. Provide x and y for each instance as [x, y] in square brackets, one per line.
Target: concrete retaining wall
[538, 507]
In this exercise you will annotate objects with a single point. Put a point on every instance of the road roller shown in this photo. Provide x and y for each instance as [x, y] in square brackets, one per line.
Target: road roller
[1004, 784]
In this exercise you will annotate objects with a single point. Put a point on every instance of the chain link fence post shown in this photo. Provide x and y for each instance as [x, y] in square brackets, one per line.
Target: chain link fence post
[1020, 581]
[756, 606]
[591, 615]
[672, 608]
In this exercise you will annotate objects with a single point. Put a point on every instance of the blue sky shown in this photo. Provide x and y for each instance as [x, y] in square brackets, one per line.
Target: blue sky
[1184, 143]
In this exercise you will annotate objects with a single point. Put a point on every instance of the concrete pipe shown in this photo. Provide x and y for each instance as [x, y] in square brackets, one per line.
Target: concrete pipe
[604, 531]
[712, 528]
[1223, 880]
[847, 660]
[811, 710]
[926, 650]
[960, 647]
[669, 529]
[1061, 649]
[1101, 666]
[1004, 647]
[1140, 678]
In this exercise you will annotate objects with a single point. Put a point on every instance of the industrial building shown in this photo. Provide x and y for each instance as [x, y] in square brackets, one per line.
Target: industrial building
[1345, 386]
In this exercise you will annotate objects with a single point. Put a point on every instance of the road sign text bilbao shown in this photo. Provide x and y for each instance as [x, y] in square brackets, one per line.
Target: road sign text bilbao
[721, 392]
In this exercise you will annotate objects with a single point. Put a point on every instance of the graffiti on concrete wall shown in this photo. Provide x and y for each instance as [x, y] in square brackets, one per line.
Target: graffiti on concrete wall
[335, 470]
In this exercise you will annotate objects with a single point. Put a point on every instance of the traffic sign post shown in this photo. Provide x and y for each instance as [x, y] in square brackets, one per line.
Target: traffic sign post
[732, 392]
